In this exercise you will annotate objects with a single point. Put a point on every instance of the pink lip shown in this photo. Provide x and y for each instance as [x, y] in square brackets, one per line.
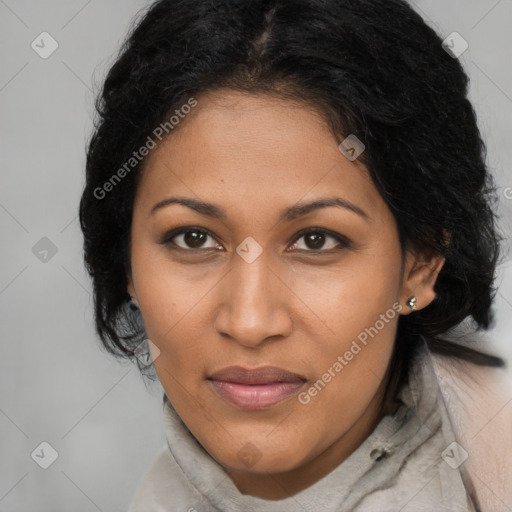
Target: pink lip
[256, 389]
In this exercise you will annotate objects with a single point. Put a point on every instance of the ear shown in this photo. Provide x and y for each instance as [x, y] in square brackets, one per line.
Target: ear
[420, 275]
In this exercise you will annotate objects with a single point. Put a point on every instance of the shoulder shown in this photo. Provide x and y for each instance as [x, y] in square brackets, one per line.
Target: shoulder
[479, 403]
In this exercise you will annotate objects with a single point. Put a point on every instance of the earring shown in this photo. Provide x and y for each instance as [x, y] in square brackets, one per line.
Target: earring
[412, 303]
[133, 307]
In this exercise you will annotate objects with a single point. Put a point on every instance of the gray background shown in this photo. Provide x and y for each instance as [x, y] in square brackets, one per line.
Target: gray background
[56, 384]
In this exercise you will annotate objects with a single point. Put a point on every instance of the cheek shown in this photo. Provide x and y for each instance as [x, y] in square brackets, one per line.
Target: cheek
[349, 374]
[342, 302]
[171, 295]
[359, 310]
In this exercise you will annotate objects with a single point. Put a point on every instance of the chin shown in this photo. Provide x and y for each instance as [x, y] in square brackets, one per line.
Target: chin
[259, 458]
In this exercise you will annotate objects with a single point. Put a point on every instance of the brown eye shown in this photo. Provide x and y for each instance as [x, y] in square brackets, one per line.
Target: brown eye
[190, 238]
[316, 240]
[194, 239]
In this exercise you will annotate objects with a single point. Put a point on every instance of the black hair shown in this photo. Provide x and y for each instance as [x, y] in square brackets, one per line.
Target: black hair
[374, 69]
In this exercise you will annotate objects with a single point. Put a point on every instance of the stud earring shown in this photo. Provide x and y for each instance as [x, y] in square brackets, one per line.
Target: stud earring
[133, 307]
[412, 303]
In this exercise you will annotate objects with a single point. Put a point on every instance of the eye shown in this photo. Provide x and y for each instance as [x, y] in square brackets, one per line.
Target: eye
[316, 238]
[190, 238]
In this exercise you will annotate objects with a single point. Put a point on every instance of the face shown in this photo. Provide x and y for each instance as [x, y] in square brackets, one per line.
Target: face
[257, 278]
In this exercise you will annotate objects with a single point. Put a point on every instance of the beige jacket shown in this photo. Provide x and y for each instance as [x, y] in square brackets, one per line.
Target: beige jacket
[479, 403]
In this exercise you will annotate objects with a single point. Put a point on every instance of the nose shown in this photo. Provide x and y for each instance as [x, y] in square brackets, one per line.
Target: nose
[253, 303]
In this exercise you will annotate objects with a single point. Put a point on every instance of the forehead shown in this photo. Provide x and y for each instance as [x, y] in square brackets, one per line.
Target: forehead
[253, 151]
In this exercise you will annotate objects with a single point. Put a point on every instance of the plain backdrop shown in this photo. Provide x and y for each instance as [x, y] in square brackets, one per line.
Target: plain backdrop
[56, 385]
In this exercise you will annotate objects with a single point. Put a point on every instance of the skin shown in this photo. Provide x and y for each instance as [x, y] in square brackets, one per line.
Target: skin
[297, 306]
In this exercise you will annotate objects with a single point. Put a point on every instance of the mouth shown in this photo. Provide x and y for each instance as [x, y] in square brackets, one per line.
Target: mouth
[260, 388]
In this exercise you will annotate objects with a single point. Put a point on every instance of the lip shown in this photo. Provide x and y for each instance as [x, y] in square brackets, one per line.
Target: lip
[258, 388]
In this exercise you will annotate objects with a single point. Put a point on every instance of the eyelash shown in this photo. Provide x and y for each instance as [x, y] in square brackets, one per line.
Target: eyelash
[343, 241]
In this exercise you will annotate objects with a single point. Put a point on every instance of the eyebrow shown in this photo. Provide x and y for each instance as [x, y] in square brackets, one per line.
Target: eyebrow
[286, 215]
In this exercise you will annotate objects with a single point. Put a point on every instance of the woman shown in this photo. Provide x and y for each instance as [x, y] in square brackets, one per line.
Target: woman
[294, 199]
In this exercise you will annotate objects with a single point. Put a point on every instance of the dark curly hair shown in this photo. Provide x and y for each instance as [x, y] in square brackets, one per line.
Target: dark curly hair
[373, 68]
